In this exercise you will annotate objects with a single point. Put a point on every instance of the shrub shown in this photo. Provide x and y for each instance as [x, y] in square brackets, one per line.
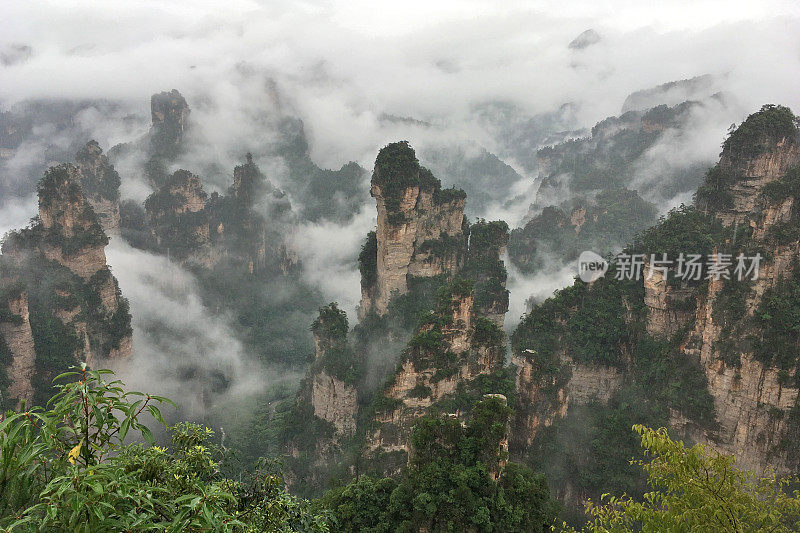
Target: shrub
[696, 489]
[67, 468]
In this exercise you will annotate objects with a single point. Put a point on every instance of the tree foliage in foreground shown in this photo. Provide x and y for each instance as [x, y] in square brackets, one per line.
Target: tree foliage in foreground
[697, 489]
[67, 468]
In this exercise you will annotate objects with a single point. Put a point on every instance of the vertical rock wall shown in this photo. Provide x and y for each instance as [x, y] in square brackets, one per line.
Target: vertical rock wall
[15, 332]
[335, 401]
[60, 263]
[100, 184]
[420, 227]
[751, 400]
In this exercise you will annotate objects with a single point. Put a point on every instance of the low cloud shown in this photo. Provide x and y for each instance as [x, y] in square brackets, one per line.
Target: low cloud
[182, 349]
[536, 288]
[329, 255]
[344, 64]
[15, 212]
[669, 171]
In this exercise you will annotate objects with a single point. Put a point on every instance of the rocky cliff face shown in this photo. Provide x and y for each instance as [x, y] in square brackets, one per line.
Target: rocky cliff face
[203, 230]
[453, 348]
[669, 308]
[100, 184]
[73, 235]
[325, 412]
[417, 262]
[249, 184]
[752, 401]
[183, 194]
[487, 244]
[420, 227]
[544, 399]
[714, 358]
[335, 401]
[16, 340]
[755, 391]
[165, 142]
[458, 344]
[74, 310]
[169, 112]
[254, 219]
[177, 221]
[751, 175]
[333, 393]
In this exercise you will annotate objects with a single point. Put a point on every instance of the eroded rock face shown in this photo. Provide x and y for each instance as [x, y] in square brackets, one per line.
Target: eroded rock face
[186, 192]
[668, 308]
[746, 399]
[169, 112]
[124, 349]
[73, 234]
[177, 220]
[422, 233]
[333, 399]
[578, 218]
[247, 227]
[487, 244]
[753, 174]
[420, 227]
[327, 401]
[399, 245]
[249, 184]
[85, 262]
[335, 402]
[100, 184]
[60, 262]
[15, 333]
[96, 342]
[535, 394]
[751, 400]
[717, 336]
[420, 383]
[545, 399]
[165, 141]
[593, 382]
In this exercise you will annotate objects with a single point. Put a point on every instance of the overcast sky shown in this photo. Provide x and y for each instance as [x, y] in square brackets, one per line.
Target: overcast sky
[344, 63]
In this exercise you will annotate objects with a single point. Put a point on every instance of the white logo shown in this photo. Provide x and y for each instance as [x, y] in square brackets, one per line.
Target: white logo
[591, 266]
